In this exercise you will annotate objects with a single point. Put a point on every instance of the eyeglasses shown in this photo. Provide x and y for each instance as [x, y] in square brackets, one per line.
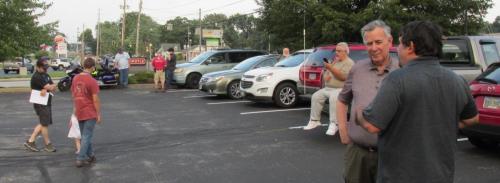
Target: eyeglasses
[340, 51]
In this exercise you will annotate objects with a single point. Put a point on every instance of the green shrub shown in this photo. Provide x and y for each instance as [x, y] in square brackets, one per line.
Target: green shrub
[142, 77]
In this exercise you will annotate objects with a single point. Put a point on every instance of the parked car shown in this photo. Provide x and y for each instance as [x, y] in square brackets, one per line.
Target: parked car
[277, 83]
[60, 64]
[190, 73]
[228, 82]
[311, 71]
[486, 92]
[16, 64]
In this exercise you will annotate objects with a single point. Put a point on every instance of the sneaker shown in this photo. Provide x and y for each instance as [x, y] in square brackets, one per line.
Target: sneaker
[92, 159]
[49, 148]
[81, 163]
[332, 129]
[312, 124]
[31, 146]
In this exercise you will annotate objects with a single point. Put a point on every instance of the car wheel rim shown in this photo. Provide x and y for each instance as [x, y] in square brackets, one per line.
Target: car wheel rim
[235, 90]
[287, 96]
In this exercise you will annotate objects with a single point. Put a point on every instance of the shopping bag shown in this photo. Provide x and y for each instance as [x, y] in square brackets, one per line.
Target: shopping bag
[74, 128]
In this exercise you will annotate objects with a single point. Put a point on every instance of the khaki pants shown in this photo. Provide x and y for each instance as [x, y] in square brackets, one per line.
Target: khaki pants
[318, 102]
[360, 165]
[159, 78]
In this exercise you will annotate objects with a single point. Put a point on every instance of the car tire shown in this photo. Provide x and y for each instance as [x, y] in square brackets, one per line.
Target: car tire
[64, 85]
[483, 143]
[285, 95]
[193, 80]
[6, 71]
[233, 90]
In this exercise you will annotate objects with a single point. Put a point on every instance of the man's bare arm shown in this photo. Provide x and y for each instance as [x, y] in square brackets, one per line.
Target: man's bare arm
[469, 122]
[342, 120]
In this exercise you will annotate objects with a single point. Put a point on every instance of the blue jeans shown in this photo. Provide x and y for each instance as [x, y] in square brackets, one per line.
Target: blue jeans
[124, 77]
[87, 131]
[169, 74]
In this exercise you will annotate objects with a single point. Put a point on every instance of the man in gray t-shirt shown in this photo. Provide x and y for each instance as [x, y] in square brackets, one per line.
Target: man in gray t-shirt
[417, 112]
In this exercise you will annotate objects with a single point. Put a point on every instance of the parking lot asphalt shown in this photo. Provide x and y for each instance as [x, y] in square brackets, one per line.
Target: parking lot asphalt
[189, 136]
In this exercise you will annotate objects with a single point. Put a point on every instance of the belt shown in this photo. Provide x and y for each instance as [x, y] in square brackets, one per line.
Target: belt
[367, 148]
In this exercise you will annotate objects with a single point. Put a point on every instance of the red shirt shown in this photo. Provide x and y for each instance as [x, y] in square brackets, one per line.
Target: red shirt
[82, 89]
[159, 63]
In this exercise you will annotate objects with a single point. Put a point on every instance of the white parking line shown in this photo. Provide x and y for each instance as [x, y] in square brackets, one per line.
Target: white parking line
[200, 96]
[234, 102]
[302, 127]
[176, 91]
[462, 139]
[280, 110]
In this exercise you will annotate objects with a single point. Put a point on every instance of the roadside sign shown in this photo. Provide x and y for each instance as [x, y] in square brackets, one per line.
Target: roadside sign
[137, 61]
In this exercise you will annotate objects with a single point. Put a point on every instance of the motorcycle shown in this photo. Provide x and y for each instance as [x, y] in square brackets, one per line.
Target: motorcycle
[105, 76]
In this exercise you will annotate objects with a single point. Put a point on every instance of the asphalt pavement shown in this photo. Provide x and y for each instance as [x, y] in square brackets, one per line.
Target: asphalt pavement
[189, 136]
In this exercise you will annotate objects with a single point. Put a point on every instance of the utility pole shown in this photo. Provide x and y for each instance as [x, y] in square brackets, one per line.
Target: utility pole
[123, 21]
[188, 42]
[138, 30]
[201, 31]
[98, 35]
[83, 42]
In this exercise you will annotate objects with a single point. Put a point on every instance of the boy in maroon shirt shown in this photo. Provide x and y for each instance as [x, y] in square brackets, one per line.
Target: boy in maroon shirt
[159, 65]
[85, 92]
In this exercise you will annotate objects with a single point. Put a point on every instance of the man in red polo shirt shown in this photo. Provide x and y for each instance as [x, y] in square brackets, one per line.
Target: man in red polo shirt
[86, 109]
[159, 65]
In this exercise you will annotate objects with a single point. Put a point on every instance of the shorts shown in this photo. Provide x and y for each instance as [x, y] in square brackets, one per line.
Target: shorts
[44, 113]
[159, 76]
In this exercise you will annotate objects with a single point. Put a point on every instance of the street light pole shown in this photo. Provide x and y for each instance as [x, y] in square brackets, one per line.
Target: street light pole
[138, 30]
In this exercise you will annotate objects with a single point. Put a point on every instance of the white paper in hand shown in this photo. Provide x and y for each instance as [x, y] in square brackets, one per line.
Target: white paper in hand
[35, 98]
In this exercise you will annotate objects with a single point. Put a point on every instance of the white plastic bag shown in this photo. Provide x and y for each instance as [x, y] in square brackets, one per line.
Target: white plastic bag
[74, 128]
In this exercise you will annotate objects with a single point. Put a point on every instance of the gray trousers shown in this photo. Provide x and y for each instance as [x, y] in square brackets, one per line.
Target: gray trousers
[318, 102]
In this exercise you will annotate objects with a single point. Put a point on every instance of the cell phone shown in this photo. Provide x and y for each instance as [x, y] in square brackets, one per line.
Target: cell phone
[325, 60]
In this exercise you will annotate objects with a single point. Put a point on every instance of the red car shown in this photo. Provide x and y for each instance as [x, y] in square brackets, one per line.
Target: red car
[310, 73]
[486, 92]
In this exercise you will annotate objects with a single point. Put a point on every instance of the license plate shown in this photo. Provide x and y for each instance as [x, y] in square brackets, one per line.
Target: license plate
[312, 76]
[491, 102]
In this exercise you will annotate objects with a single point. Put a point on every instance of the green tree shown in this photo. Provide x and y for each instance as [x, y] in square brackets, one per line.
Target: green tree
[19, 29]
[110, 37]
[496, 25]
[149, 33]
[90, 42]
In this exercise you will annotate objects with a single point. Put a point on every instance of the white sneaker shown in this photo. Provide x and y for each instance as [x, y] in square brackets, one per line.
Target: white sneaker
[332, 129]
[312, 124]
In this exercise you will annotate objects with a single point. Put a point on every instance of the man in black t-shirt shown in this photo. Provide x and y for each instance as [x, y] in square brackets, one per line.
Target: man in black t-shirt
[42, 82]
[418, 111]
[169, 71]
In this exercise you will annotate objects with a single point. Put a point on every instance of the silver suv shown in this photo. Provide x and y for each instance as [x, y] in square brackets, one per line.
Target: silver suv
[189, 73]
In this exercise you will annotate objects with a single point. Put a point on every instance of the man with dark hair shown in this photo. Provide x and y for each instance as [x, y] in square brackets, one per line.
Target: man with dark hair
[418, 110]
[169, 71]
[87, 110]
[42, 82]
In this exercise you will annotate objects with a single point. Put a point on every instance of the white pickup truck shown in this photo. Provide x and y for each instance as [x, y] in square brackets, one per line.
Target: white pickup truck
[59, 63]
[469, 56]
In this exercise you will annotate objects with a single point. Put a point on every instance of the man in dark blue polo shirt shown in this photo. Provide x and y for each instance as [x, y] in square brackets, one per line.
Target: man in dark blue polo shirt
[418, 111]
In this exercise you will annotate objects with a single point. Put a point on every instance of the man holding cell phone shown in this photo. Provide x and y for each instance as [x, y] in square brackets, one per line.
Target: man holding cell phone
[334, 75]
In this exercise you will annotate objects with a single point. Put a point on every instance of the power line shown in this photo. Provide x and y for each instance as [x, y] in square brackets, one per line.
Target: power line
[230, 4]
[170, 8]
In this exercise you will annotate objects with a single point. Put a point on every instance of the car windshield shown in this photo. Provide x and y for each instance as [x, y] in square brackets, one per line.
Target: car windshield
[491, 75]
[292, 61]
[247, 64]
[201, 58]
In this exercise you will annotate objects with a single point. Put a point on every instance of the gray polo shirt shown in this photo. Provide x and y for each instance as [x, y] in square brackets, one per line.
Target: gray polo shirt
[418, 109]
[360, 88]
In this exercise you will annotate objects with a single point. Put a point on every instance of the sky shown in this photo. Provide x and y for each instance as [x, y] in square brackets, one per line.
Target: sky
[73, 15]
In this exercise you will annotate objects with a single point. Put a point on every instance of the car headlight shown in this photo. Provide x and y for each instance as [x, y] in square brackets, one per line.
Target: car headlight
[179, 70]
[264, 77]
